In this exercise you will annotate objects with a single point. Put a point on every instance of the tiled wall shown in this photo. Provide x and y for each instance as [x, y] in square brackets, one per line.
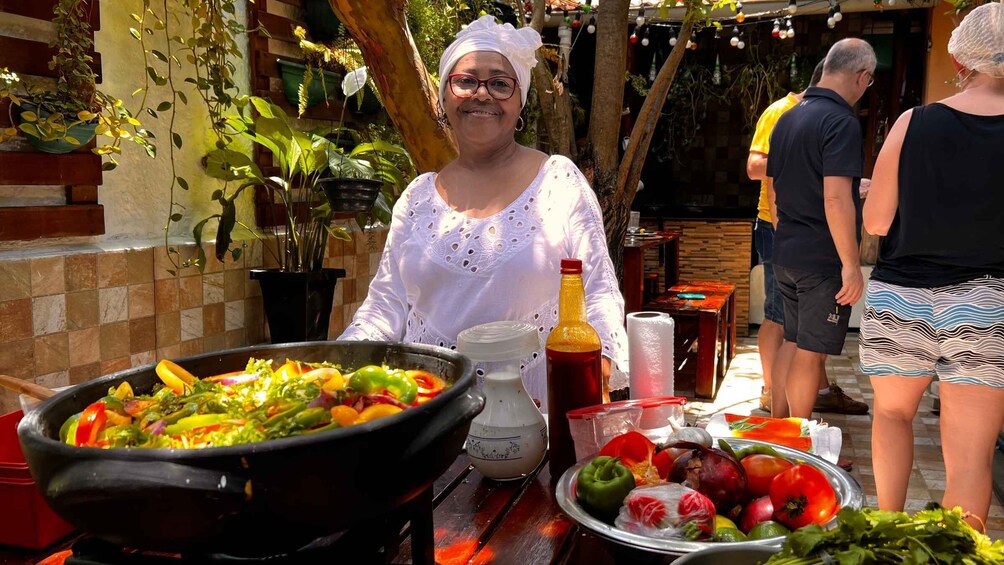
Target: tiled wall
[66, 319]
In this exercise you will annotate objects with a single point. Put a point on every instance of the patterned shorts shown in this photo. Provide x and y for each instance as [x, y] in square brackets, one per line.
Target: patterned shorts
[955, 332]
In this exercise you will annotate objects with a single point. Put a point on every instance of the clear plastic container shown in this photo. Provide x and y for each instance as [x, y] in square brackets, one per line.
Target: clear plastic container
[592, 427]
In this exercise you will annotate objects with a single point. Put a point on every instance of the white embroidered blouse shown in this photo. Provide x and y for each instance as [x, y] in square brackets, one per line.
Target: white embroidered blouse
[442, 272]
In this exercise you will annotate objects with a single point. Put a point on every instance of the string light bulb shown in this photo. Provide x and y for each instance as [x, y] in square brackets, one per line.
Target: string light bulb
[837, 16]
[718, 33]
[734, 41]
[591, 28]
[740, 17]
[672, 37]
[742, 44]
[547, 13]
[830, 22]
[567, 18]
[578, 21]
[791, 28]
[792, 7]
[640, 20]
[776, 32]
[690, 44]
[634, 37]
[644, 39]
[891, 2]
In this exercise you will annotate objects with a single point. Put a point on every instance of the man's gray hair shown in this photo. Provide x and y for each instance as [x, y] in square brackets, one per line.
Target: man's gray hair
[850, 56]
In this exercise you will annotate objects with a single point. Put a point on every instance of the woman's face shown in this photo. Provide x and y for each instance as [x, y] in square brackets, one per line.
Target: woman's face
[482, 118]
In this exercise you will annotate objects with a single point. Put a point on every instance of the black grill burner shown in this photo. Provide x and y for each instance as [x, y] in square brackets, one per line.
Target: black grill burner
[376, 542]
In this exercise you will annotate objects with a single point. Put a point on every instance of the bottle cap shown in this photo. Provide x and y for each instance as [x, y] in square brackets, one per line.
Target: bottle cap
[571, 266]
[498, 341]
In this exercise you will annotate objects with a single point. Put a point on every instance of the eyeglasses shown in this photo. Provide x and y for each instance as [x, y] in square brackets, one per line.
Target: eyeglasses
[871, 75]
[499, 87]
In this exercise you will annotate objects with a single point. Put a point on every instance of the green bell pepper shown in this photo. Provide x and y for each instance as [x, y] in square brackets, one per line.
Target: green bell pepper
[375, 380]
[603, 485]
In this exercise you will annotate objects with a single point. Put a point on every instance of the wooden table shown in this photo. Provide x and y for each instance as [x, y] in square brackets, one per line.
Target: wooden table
[714, 336]
[480, 521]
[633, 281]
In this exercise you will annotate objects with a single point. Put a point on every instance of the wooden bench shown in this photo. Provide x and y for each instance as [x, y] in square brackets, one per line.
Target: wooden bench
[705, 340]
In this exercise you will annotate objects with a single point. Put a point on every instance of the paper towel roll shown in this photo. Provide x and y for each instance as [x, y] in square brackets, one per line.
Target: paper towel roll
[650, 354]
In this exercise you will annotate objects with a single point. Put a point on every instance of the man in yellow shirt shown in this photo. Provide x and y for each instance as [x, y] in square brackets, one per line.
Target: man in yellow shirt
[771, 335]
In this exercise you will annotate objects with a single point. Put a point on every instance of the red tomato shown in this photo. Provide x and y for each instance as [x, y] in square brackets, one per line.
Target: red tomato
[647, 510]
[699, 508]
[801, 496]
[760, 472]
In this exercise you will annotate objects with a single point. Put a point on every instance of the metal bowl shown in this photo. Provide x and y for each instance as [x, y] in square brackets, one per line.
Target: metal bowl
[848, 492]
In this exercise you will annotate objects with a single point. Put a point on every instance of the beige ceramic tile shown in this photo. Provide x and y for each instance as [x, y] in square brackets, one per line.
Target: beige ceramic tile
[55, 379]
[139, 263]
[169, 352]
[251, 288]
[191, 324]
[52, 353]
[165, 295]
[190, 291]
[15, 320]
[162, 265]
[144, 358]
[141, 301]
[47, 276]
[213, 265]
[192, 346]
[233, 284]
[213, 319]
[81, 272]
[234, 315]
[254, 319]
[113, 269]
[15, 280]
[114, 340]
[82, 309]
[85, 373]
[362, 288]
[212, 288]
[239, 263]
[235, 338]
[113, 304]
[142, 335]
[85, 346]
[17, 358]
[253, 257]
[48, 314]
[115, 365]
[215, 342]
[168, 329]
[374, 264]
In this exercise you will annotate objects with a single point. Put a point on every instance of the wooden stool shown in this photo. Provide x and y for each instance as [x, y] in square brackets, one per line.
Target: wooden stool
[707, 326]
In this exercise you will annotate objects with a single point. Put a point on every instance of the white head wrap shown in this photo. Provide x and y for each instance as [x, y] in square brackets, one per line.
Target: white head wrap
[519, 46]
[978, 42]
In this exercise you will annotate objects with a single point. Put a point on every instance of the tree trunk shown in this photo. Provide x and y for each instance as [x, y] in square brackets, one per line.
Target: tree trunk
[605, 116]
[555, 102]
[381, 31]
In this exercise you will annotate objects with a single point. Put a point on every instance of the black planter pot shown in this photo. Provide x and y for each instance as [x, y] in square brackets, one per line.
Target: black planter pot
[351, 195]
[297, 305]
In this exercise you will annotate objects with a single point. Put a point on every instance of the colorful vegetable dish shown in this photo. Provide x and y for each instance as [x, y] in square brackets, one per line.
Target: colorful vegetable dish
[256, 404]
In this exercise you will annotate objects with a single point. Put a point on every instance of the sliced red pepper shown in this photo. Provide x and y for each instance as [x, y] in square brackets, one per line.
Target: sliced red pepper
[429, 385]
[91, 422]
[663, 463]
[636, 453]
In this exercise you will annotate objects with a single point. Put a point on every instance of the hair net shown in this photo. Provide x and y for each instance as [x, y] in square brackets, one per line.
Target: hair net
[517, 45]
[978, 42]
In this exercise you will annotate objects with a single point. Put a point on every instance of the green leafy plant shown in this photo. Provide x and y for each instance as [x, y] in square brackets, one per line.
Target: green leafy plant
[343, 54]
[301, 158]
[52, 115]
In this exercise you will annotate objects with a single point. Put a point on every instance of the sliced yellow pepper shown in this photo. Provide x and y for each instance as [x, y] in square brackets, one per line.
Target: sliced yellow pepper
[124, 391]
[332, 378]
[174, 377]
[344, 415]
[377, 411]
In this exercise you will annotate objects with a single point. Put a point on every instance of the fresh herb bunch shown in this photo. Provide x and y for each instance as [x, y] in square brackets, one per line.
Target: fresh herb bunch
[935, 535]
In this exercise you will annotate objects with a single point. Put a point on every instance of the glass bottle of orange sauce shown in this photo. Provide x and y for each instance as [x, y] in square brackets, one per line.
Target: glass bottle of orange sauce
[574, 374]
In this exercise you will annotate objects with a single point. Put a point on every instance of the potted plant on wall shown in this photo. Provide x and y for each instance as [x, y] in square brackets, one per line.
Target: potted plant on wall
[298, 293]
[64, 119]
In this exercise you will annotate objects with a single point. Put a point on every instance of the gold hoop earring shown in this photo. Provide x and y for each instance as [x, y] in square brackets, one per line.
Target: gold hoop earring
[520, 123]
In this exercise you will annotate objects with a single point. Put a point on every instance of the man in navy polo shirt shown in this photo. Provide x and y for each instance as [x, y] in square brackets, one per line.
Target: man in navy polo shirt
[815, 166]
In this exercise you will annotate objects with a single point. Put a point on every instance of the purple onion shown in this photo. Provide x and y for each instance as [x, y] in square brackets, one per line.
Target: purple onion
[157, 428]
[384, 399]
[238, 379]
[324, 400]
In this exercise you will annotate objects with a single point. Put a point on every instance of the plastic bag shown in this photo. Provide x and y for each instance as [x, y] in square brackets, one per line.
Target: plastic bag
[667, 511]
[807, 435]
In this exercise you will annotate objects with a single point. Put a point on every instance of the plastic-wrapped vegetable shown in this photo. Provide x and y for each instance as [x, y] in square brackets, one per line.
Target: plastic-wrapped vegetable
[667, 511]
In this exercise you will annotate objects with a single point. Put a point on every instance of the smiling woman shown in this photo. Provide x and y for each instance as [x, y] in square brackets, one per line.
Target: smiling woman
[482, 239]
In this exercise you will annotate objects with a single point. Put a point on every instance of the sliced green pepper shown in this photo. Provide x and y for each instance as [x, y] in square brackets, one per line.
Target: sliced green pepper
[311, 417]
[404, 387]
[757, 449]
[603, 485]
[294, 409]
[192, 422]
[368, 380]
[68, 431]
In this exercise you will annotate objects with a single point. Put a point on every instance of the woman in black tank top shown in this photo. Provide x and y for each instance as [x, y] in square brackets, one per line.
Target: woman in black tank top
[935, 302]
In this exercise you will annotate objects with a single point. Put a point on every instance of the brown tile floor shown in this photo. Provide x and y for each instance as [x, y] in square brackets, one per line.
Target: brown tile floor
[740, 394]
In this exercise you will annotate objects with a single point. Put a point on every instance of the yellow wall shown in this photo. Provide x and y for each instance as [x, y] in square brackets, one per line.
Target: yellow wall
[939, 62]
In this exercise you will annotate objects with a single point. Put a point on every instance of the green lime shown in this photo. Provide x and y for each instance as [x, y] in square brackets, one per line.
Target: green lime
[768, 529]
[723, 522]
[729, 535]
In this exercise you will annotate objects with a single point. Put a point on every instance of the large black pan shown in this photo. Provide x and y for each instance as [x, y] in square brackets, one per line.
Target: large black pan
[261, 498]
